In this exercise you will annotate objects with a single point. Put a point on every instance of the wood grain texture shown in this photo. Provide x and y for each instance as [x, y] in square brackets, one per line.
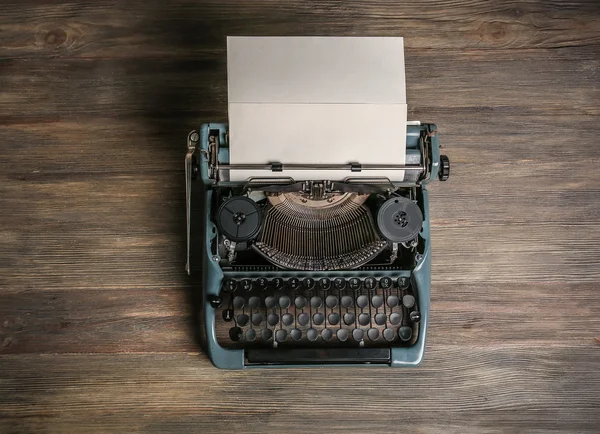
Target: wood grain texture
[96, 320]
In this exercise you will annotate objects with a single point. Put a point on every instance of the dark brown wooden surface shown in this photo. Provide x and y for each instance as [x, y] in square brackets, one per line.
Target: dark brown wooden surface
[96, 99]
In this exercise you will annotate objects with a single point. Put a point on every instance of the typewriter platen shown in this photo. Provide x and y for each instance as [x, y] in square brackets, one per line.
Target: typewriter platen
[311, 272]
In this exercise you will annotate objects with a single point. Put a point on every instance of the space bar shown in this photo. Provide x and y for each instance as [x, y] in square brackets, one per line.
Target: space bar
[290, 356]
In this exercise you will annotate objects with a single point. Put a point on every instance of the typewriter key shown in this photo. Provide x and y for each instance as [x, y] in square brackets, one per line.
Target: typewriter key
[349, 318]
[408, 301]
[250, 335]
[242, 319]
[303, 319]
[388, 335]
[377, 301]
[246, 284]
[354, 283]
[277, 283]
[235, 334]
[228, 314]
[230, 285]
[339, 283]
[270, 302]
[261, 283]
[272, 319]
[331, 301]
[342, 335]
[254, 302]
[284, 301]
[415, 316]
[395, 318]
[266, 334]
[405, 333]
[324, 283]
[347, 301]
[403, 282]
[287, 319]
[333, 318]
[257, 318]
[326, 334]
[385, 283]
[318, 318]
[380, 318]
[238, 302]
[358, 334]
[300, 302]
[316, 302]
[373, 334]
[362, 301]
[280, 335]
[393, 301]
[364, 319]
[296, 334]
[293, 283]
[312, 334]
[308, 283]
[370, 283]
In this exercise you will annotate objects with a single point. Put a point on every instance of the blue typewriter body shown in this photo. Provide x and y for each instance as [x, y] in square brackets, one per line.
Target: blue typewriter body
[306, 273]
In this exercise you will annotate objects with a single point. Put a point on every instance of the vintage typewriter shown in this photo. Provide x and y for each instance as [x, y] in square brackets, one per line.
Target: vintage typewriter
[300, 272]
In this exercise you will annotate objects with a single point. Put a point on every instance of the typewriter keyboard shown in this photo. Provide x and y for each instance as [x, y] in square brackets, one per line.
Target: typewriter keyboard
[347, 312]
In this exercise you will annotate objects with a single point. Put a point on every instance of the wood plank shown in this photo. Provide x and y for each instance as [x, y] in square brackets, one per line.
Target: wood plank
[457, 390]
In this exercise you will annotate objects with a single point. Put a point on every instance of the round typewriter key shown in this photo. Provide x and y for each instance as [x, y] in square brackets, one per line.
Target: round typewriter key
[405, 333]
[316, 302]
[354, 283]
[308, 283]
[256, 319]
[347, 301]
[403, 282]
[280, 335]
[267, 334]
[395, 318]
[284, 301]
[272, 319]
[385, 283]
[230, 285]
[235, 334]
[293, 283]
[339, 283]
[287, 319]
[370, 283]
[270, 302]
[261, 283]
[318, 318]
[373, 334]
[377, 301]
[415, 316]
[388, 335]
[300, 302]
[342, 335]
[331, 301]
[303, 319]
[228, 314]
[242, 319]
[254, 302]
[277, 283]
[324, 283]
[408, 301]
[358, 334]
[296, 334]
[326, 334]
[333, 318]
[250, 335]
[312, 334]
[246, 284]
[393, 301]
[380, 318]
[349, 318]
[362, 301]
[238, 302]
[364, 319]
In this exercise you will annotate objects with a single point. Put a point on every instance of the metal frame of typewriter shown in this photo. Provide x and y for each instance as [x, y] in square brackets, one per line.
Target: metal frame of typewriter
[206, 168]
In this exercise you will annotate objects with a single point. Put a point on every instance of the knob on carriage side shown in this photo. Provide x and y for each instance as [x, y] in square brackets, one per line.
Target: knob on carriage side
[444, 171]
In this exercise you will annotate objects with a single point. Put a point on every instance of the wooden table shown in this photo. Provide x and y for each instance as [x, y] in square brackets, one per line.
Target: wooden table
[96, 99]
